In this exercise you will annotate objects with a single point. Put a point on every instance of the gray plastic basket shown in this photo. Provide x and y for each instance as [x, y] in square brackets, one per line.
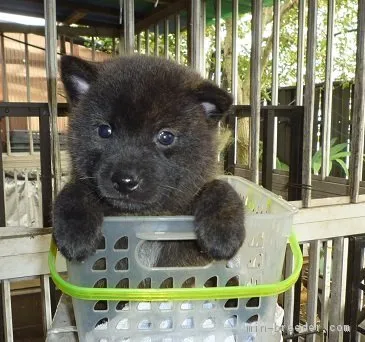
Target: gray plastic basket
[268, 222]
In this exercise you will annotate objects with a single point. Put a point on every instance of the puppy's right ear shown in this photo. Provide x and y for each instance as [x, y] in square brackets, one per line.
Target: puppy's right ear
[77, 75]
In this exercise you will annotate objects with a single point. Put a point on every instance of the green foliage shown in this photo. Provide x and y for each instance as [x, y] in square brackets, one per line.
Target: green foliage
[337, 153]
[281, 165]
[101, 44]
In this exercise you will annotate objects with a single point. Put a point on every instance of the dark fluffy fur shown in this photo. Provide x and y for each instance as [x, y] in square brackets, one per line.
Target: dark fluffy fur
[138, 96]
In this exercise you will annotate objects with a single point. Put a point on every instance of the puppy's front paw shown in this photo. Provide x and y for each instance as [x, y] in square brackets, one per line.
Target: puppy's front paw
[219, 220]
[76, 239]
[76, 225]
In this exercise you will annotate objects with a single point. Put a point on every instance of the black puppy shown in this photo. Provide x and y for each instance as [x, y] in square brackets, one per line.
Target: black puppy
[143, 141]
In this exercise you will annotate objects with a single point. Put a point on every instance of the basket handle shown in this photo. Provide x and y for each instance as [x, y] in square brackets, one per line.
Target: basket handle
[177, 294]
[161, 236]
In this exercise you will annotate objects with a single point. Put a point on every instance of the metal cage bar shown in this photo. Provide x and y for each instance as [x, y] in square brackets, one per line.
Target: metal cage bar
[358, 119]
[255, 87]
[328, 88]
[314, 250]
[195, 32]
[234, 70]
[300, 53]
[309, 100]
[51, 72]
[129, 26]
[275, 73]
[218, 45]
[338, 286]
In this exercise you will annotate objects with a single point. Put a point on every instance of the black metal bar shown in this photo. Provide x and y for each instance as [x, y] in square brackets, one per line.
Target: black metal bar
[46, 180]
[353, 294]
[361, 331]
[46, 168]
[296, 161]
[26, 109]
[282, 110]
[2, 224]
[268, 148]
[2, 190]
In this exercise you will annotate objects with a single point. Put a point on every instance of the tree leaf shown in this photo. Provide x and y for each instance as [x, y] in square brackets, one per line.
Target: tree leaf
[338, 148]
[340, 155]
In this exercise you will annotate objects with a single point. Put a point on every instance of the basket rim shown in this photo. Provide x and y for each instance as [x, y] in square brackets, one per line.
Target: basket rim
[290, 208]
[177, 294]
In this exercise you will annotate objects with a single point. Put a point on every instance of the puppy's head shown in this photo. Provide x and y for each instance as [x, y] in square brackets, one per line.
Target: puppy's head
[142, 130]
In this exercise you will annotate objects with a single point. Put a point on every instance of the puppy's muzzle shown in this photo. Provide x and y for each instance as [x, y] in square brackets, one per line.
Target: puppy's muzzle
[125, 182]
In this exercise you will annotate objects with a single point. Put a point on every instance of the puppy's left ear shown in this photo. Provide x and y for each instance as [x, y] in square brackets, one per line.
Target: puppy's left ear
[214, 100]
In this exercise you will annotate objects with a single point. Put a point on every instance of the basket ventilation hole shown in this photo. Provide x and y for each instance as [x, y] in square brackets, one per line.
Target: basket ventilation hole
[101, 283]
[231, 303]
[100, 265]
[165, 306]
[102, 324]
[253, 302]
[146, 339]
[188, 323]
[211, 282]
[145, 284]
[123, 283]
[123, 324]
[234, 281]
[122, 243]
[101, 305]
[231, 322]
[256, 262]
[101, 244]
[208, 323]
[208, 305]
[187, 306]
[122, 265]
[168, 339]
[188, 283]
[252, 319]
[189, 339]
[103, 340]
[167, 283]
[144, 306]
[145, 325]
[166, 324]
[122, 306]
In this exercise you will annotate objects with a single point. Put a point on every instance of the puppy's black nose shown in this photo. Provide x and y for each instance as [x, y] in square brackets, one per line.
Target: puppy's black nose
[125, 183]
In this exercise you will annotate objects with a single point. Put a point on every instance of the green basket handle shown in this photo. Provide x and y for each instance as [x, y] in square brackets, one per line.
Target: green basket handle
[177, 294]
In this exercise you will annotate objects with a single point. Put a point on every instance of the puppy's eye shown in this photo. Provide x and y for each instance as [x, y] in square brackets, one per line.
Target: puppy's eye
[165, 137]
[104, 131]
